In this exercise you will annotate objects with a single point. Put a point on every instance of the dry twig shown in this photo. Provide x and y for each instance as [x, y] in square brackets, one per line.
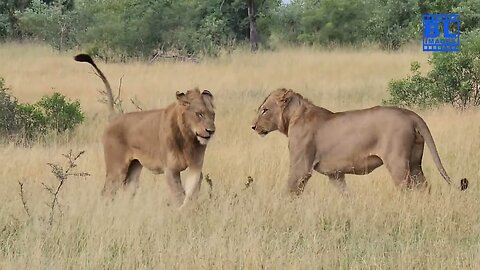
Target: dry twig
[62, 174]
[22, 197]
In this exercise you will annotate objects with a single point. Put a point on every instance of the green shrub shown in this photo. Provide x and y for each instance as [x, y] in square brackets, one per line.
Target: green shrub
[50, 22]
[333, 21]
[454, 79]
[8, 105]
[59, 114]
[31, 122]
[53, 113]
[414, 91]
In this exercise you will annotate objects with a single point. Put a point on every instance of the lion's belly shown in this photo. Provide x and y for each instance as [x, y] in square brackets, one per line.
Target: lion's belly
[359, 166]
[153, 166]
[152, 162]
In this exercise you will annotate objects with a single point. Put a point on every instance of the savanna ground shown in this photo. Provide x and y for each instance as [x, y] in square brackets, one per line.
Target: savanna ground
[376, 227]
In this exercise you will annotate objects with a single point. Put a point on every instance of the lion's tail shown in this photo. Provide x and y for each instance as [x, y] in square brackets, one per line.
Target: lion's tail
[422, 127]
[110, 101]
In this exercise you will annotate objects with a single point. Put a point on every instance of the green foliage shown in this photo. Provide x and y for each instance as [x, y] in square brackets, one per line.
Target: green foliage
[469, 11]
[30, 122]
[52, 113]
[4, 26]
[287, 25]
[413, 91]
[59, 114]
[122, 29]
[8, 105]
[50, 23]
[393, 23]
[337, 21]
[454, 79]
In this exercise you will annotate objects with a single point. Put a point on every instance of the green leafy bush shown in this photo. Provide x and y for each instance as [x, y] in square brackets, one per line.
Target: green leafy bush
[454, 79]
[59, 114]
[8, 106]
[51, 23]
[53, 113]
[414, 91]
[333, 21]
[393, 23]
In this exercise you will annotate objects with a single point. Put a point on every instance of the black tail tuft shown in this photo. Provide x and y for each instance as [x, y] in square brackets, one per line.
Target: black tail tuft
[83, 58]
[463, 184]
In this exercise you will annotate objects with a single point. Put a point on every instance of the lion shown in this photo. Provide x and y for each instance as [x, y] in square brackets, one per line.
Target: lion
[165, 141]
[350, 142]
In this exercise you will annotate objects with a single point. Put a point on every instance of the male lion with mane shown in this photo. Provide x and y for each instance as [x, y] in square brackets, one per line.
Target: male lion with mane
[350, 142]
[164, 141]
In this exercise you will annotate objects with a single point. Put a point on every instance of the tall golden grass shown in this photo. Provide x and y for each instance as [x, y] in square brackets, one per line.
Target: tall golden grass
[377, 226]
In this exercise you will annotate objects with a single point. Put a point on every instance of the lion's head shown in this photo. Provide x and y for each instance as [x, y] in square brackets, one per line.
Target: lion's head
[198, 113]
[269, 114]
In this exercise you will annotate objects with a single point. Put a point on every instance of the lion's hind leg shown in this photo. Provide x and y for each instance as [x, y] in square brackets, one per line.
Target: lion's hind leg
[117, 165]
[338, 180]
[132, 179]
[397, 158]
[417, 178]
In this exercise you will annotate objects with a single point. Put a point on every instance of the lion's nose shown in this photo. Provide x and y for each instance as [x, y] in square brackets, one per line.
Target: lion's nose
[254, 127]
[210, 131]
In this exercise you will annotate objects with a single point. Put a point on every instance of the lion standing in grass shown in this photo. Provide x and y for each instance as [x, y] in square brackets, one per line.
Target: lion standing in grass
[351, 142]
[164, 141]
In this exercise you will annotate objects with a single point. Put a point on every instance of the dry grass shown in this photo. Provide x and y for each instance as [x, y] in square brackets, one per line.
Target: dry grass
[376, 227]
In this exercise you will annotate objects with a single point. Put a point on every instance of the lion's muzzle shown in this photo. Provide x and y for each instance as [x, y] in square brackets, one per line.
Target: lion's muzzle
[260, 131]
[204, 138]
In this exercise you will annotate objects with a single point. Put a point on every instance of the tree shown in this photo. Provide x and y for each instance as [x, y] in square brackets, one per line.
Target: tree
[252, 18]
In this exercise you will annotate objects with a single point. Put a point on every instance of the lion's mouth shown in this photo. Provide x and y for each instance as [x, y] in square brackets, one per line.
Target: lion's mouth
[203, 139]
[262, 133]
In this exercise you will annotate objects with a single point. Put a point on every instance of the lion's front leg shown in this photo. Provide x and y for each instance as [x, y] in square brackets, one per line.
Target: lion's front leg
[175, 184]
[192, 184]
[301, 166]
[301, 146]
[297, 179]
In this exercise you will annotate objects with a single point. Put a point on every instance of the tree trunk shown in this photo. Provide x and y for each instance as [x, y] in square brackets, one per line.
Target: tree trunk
[252, 17]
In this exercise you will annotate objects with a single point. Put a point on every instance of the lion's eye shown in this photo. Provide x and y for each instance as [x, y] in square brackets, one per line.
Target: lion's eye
[200, 114]
[264, 111]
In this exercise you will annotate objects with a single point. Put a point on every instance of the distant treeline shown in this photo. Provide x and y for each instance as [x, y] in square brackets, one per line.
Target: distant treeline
[141, 28]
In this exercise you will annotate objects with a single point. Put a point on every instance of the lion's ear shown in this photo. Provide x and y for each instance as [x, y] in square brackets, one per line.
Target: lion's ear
[287, 97]
[208, 97]
[207, 93]
[182, 98]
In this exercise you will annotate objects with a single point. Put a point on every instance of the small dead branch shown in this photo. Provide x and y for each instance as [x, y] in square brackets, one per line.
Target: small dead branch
[117, 100]
[248, 182]
[210, 185]
[62, 174]
[136, 103]
[22, 197]
[174, 55]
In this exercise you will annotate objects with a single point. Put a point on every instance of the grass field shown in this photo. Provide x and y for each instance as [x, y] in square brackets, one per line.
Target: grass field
[377, 227]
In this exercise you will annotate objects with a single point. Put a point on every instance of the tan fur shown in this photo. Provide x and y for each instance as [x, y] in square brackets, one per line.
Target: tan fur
[165, 141]
[350, 142]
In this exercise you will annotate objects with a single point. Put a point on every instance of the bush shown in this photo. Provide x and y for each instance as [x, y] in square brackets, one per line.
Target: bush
[8, 106]
[51, 23]
[52, 113]
[393, 23]
[59, 114]
[414, 91]
[333, 21]
[454, 79]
